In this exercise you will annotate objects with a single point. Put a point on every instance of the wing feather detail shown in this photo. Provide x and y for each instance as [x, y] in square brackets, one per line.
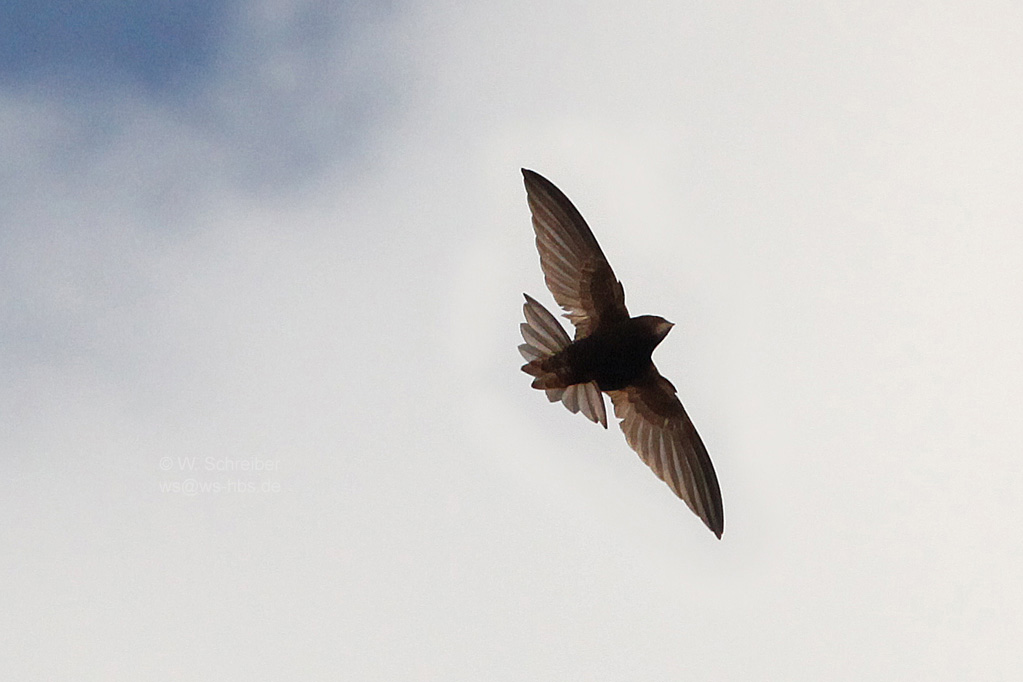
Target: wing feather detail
[657, 427]
[574, 267]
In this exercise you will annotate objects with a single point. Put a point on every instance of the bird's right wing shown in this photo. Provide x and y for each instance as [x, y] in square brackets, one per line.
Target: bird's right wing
[658, 428]
[574, 267]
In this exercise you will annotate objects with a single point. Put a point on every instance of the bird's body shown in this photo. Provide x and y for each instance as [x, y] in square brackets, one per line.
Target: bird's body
[614, 355]
[611, 353]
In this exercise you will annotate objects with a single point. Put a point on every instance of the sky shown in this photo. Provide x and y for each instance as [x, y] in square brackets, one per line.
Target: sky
[261, 276]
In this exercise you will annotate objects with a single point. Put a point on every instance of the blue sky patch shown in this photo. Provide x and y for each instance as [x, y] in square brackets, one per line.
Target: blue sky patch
[157, 45]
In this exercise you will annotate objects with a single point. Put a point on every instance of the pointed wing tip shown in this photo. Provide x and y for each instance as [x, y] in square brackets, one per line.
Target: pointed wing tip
[532, 179]
[716, 525]
[715, 520]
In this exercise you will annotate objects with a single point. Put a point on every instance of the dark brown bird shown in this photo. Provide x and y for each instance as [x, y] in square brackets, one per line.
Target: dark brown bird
[611, 353]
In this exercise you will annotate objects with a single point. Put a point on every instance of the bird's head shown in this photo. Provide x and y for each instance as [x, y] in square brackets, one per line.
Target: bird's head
[655, 327]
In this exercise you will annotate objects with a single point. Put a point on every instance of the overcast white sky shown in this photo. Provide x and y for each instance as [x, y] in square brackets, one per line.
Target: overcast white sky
[292, 236]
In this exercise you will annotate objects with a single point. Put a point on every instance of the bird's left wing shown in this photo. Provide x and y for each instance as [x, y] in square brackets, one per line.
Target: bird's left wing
[659, 430]
[574, 267]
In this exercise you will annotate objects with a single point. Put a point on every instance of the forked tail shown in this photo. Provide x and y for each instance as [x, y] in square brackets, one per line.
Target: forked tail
[544, 338]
